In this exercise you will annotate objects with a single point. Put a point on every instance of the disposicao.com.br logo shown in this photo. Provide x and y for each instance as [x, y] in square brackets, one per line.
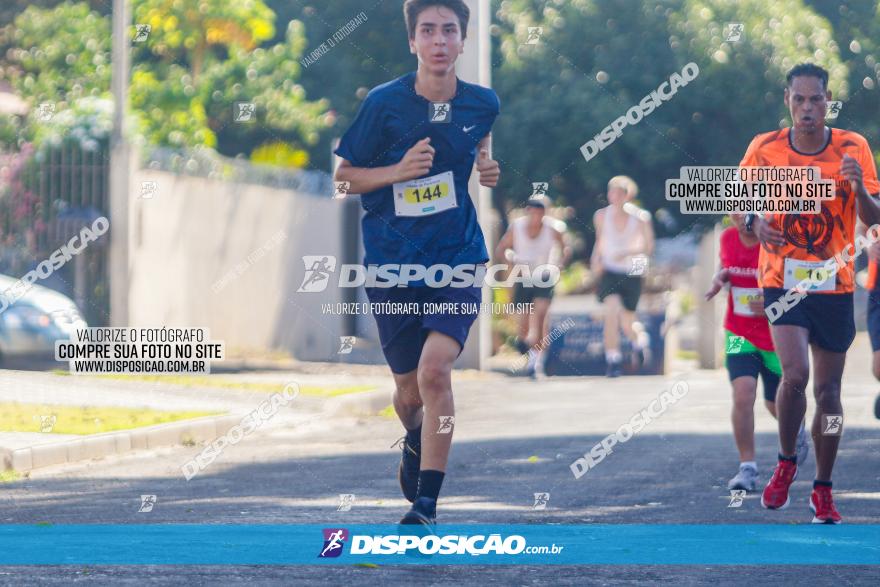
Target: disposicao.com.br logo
[430, 544]
[320, 268]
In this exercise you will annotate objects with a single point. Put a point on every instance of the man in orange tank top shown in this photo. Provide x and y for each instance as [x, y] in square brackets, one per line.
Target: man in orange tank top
[818, 318]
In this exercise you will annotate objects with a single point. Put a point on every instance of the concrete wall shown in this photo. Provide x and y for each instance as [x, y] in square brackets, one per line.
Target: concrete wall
[196, 261]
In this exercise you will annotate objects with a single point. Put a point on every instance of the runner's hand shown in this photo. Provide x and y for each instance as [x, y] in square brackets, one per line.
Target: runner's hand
[874, 251]
[851, 170]
[767, 234]
[489, 169]
[416, 162]
[717, 283]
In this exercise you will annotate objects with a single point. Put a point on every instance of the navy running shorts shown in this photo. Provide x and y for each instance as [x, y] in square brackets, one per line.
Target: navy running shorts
[406, 315]
[828, 317]
[752, 365]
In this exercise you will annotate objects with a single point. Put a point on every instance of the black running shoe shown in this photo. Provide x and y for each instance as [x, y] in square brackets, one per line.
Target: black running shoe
[614, 369]
[408, 471]
[423, 512]
[877, 407]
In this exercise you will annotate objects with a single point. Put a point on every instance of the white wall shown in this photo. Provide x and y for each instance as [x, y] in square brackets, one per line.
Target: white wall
[196, 231]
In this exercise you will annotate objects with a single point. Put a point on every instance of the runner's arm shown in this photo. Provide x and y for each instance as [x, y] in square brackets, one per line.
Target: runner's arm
[363, 180]
[566, 250]
[595, 263]
[721, 277]
[862, 176]
[415, 163]
[504, 245]
[648, 231]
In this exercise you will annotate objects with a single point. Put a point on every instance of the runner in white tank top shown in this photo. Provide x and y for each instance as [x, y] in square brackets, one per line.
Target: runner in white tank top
[624, 241]
[533, 241]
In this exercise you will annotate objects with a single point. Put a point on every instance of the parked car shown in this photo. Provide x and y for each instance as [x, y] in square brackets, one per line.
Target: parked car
[30, 326]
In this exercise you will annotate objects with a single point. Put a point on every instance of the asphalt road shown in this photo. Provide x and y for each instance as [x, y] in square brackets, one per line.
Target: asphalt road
[513, 438]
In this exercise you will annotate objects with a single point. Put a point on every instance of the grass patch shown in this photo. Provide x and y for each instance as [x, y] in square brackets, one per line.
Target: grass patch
[55, 419]
[687, 355]
[389, 413]
[9, 476]
[207, 381]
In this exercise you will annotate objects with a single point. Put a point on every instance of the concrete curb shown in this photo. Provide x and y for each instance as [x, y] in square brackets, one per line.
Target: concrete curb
[100, 445]
[205, 429]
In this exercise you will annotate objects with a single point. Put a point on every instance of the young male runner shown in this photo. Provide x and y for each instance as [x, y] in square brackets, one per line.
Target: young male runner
[622, 240]
[795, 245]
[410, 153]
[533, 239]
[749, 347]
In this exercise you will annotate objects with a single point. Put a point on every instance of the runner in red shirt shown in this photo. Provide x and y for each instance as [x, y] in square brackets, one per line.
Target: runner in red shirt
[749, 346]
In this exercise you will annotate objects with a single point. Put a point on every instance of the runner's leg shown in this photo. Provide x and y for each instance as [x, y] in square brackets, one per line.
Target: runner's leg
[791, 343]
[743, 416]
[613, 307]
[541, 308]
[828, 371]
[435, 386]
[406, 399]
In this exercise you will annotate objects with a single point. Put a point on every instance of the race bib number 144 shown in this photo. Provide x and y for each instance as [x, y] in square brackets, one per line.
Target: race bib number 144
[426, 196]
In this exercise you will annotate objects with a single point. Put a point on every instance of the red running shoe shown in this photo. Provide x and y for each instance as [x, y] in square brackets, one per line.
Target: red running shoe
[823, 506]
[775, 496]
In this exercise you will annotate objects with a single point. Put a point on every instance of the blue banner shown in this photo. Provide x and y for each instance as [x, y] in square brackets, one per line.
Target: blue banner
[598, 544]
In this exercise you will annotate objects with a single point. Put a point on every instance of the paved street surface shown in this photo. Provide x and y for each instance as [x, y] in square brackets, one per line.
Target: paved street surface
[513, 438]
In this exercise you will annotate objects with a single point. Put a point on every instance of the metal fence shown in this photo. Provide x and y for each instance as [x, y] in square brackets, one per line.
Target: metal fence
[46, 197]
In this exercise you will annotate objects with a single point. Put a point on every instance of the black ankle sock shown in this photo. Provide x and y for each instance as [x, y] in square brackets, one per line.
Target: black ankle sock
[818, 483]
[429, 484]
[414, 437]
[791, 459]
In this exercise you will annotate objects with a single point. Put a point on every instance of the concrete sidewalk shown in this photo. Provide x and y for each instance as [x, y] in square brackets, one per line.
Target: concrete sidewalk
[24, 451]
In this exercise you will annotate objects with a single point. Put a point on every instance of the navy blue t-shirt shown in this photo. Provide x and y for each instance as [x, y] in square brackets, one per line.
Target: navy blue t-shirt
[391, 120]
